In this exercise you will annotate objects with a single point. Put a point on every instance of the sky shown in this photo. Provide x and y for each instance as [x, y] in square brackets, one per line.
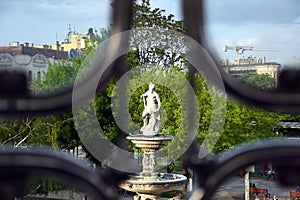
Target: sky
[44, 21]
[271, 24]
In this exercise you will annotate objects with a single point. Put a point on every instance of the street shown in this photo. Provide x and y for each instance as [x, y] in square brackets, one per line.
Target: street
[235, 189]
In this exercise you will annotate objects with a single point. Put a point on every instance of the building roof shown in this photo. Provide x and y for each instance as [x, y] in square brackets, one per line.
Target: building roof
[255, 64]
[49, 53]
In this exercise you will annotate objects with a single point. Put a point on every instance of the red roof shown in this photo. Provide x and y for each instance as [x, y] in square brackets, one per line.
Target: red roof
[49, 53]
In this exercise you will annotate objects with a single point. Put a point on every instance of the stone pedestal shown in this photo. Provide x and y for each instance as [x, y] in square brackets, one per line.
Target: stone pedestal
[149, 164]
[149, 145]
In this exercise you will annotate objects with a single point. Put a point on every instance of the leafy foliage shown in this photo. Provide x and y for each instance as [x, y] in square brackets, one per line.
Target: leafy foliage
[60, 75]
[149, 37]
[242, 123]
[55, 130]
[245, 123]
[100, 35]
[260, 81]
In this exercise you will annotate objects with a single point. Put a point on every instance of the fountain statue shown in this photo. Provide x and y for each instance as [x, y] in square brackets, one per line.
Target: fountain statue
[149, 183]
[151, 107]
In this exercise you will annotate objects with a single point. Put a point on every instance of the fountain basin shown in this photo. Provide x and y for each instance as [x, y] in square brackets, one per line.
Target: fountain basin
[149, 142]
[162, 183]
[149, 183]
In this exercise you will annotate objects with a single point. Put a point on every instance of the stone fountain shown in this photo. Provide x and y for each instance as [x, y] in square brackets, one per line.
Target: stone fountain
[149, 183]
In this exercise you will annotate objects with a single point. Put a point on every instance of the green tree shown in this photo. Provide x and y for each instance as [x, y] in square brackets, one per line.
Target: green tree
[260, 81]
[171, 85]
[60, 75]
[242, 123]
[55, 130]
[100, 35]
[153, 22]
[48, 130]
[245, 123]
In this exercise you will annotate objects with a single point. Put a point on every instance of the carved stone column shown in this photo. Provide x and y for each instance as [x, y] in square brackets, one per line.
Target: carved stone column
[149, 145]
[149, 184]
[149, 163]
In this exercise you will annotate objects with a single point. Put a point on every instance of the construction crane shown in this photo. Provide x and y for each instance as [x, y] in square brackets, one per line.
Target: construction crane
[240, 50]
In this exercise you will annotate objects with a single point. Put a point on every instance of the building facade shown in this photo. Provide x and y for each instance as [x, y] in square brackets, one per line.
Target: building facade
[251, 65]
[74, 42]
[30, 60]
[33, 60]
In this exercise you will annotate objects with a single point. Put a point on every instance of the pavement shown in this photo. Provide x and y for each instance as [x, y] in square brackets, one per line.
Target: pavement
[235, 189]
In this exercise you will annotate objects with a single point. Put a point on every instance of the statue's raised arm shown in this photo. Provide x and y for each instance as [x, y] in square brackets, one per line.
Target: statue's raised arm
[152, 105]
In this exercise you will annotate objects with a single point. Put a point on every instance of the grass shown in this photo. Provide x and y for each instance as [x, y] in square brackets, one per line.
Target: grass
[171, 194]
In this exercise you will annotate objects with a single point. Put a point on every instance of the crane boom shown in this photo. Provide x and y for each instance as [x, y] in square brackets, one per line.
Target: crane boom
[240, 50]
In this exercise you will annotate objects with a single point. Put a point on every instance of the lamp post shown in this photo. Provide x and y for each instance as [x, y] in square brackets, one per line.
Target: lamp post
[247, 185]
[247, 181]
[248, 170]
